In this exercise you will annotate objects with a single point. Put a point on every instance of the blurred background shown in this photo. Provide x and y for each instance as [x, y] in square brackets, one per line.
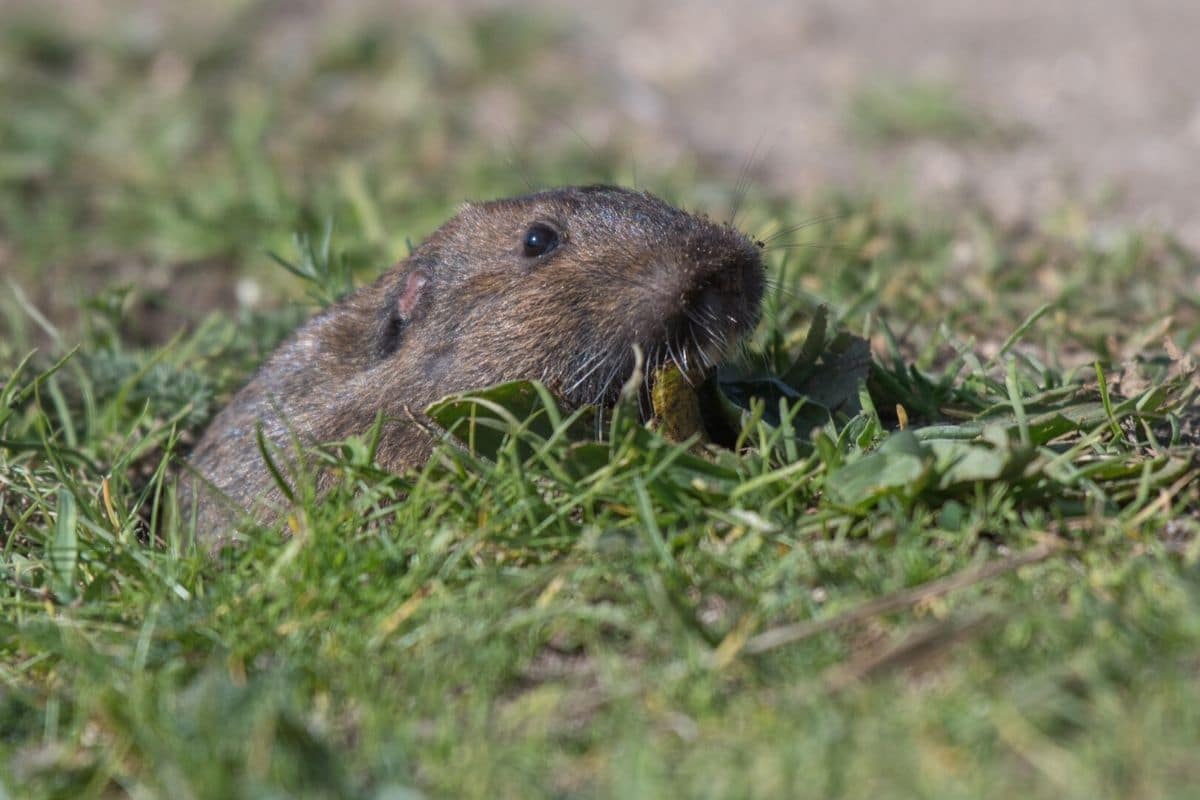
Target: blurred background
[1027, 107]
[167, 147]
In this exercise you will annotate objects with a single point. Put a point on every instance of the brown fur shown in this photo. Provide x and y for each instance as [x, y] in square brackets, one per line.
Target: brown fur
[469, 309]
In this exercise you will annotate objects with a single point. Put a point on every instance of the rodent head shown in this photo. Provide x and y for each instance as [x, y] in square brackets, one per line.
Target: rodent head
[560, 285]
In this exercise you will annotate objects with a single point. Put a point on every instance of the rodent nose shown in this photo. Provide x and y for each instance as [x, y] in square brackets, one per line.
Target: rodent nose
[727, 293]
[725, 282]
[714, 294]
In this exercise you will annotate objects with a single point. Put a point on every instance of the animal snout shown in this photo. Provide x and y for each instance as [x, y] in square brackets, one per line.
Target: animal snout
[727, 290]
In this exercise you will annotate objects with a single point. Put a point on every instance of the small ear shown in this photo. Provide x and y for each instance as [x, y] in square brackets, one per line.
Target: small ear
[402, 303]
[411, 291]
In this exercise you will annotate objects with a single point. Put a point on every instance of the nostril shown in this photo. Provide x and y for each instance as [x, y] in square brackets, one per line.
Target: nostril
[712, 296]
[722, 283]
[716, 299]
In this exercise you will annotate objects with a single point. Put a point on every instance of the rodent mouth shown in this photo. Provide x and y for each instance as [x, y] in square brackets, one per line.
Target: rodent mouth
[712, 317]
[722, 307]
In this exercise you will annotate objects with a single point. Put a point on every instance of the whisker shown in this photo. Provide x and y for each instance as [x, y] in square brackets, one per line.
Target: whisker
[671, 359]
[681, 351]
[801, 226]
[775, 285]
[694, 344]
[645, 399]
[606, 385]
[742, 187]
[826, 246]
[599, 363]
[709, 335]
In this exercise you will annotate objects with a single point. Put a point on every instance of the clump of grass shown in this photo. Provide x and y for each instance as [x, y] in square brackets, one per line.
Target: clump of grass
[1011, 568]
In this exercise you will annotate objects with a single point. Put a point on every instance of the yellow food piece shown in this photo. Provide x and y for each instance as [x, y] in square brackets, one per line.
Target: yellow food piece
[676, 405]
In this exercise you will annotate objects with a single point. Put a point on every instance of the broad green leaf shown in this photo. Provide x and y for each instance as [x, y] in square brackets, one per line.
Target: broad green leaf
[899, 464]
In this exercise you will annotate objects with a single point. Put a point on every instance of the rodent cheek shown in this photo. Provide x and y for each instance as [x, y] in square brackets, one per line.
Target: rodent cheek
[436, 365]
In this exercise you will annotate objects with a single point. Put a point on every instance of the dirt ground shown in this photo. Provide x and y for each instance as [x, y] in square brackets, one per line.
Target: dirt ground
[1104, 92]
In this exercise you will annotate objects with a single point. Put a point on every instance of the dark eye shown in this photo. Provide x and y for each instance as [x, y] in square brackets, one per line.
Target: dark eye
[539, 240]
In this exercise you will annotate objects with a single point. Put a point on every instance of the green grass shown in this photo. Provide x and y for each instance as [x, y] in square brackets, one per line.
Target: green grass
[1003, 599]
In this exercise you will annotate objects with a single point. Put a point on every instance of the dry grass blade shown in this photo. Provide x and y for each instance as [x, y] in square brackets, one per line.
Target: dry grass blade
[790, 634]
[914, 648]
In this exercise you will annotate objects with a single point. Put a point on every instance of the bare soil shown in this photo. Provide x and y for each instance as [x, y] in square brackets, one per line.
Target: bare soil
[1105, 94]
